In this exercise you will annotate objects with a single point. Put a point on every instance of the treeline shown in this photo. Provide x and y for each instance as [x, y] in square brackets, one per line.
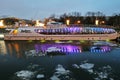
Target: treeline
[75, 18]
[89, 18]
[11, 21]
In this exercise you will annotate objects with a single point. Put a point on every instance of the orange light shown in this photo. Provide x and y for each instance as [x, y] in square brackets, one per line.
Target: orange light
[15, 31]
[103, 22]
[1, 23]
[78, 21]
[38, 23]
[68, 22]
[97, 22]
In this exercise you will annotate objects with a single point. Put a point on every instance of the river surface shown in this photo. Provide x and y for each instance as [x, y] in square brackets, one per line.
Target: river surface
[55, 60]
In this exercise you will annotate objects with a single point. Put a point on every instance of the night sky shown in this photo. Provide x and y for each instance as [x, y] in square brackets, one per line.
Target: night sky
[39, 9]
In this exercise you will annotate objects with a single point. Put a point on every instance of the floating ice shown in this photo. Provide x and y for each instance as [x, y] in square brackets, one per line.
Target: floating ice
[30, 53]
[25, 74]
[87, 66]
[33, 67]
[97, 79]
[61, 73]
[61, 70]
[90, 70]
[33, 53]
[103, 75]
[111, 79]
[76, 66]
[52, 49]
[54, 78]
[40, 76]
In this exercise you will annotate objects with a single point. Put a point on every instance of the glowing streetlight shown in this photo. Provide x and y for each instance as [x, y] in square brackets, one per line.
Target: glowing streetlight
[96, 22]
[15, 31]
[38, 23]
[103, 22]
[68, 22]
[1, 23]
[78, 21]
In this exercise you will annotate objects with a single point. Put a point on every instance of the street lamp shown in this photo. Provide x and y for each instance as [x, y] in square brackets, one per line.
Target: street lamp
[1, 23]
[97, 22]
[78, 22]
[68, 22]
[102, 22]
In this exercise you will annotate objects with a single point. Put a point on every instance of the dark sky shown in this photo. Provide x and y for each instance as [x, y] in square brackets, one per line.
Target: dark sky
[39, 9]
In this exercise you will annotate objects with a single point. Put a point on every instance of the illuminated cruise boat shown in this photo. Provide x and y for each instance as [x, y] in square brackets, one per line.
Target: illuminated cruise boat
[75, 30]
[61, 32]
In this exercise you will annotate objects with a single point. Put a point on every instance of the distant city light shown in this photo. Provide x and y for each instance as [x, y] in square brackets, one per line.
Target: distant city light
[15, 31]
[103, 22]
[38, 23]
[78, 21]
[1, 23]
[1, 36]
[67, 21]
[26, 25]
[97, 22]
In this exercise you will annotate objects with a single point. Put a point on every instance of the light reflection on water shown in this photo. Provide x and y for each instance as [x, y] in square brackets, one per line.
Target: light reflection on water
[14, 52]
[100, 49]
[63, 48]
[66, 48]
[3, 48]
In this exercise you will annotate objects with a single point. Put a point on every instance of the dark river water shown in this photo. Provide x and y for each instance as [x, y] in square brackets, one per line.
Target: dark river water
[54, 60]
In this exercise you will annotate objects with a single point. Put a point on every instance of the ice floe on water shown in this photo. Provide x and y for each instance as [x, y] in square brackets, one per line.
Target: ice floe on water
[61, 70]
[61, 74]
[102, 73]
[37, 72]
[34, 67]
[40, 76]
[87, 66]
[33, 72]
[76, 66]
[25, 74]
[54, 77]
[32, 53]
